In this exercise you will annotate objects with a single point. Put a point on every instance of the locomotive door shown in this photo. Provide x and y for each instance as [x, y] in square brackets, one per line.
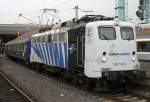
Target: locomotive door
[80, 47]
[72, 44]
[76, 42]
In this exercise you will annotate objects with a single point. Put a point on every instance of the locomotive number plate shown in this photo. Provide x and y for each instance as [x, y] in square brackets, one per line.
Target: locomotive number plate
[119, 64]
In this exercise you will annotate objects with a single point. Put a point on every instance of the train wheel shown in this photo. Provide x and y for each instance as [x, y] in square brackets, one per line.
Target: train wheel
[62, 76]
[102, 85]
[88, 83]
[27, 63]
[32, 66]
[75, 79]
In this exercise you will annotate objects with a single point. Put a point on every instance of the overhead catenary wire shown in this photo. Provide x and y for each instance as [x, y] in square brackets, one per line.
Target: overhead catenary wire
[62, 4]
[21, 15]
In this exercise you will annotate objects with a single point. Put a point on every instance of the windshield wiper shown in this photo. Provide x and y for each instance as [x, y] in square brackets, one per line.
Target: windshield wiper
[130, 37]
[105, 37]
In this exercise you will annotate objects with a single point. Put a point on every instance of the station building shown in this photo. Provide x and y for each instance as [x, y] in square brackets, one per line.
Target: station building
[143, 31]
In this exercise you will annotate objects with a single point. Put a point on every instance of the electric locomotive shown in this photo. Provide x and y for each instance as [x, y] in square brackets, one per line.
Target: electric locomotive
[92, 47]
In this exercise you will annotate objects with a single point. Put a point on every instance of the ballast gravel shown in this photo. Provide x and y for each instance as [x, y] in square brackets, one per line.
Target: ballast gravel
[42, 88]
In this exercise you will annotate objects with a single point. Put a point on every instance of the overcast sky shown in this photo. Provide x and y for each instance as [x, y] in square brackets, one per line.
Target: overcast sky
[10, 9]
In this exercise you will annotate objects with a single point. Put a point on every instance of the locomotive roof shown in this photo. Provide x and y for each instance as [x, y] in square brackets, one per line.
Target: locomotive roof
[95, 20]
[111, 23]
[95, 23]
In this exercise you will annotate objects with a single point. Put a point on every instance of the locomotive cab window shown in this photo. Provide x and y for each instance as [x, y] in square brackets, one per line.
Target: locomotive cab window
[127, 33]
[107, 33]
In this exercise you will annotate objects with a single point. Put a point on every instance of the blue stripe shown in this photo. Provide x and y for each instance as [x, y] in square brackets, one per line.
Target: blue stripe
[44, 53]
[40, 49]
[66, 54]
[61, 55]
[58, 54]
[55, 54]
[48, 55]
[51, 54]
[36, 51]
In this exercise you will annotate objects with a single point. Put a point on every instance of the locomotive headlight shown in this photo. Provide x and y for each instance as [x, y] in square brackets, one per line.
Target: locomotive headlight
[133, 59]
[103, 59]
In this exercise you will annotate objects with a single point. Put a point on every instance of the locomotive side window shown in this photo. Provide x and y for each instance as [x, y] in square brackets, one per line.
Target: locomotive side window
[72, 37]
[127, 33]
[55, 37]
[107, 33]
[42, 39]
[143, 46]
[49, 38]
[38, 39]
[62, 37]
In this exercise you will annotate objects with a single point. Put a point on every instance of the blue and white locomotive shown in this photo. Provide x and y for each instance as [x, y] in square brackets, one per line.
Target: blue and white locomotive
[93, 48]
[96, 49]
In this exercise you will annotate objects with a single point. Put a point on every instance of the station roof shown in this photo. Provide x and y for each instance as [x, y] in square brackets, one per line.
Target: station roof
[17, 28]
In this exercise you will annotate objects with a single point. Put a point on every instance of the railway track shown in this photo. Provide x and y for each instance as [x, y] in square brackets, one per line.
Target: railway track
[9, 92]
[127, 97]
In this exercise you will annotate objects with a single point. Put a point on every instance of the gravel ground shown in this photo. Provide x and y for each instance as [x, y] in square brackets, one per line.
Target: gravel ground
[42, 88]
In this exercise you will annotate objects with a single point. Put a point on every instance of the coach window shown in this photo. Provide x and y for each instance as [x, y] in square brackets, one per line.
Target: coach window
[127, 33]
[19, 48]
[107, 33]
[22, 46]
